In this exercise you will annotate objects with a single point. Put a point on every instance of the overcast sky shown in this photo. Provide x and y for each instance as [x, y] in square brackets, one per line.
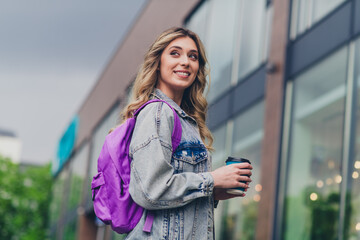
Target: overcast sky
[51, 55]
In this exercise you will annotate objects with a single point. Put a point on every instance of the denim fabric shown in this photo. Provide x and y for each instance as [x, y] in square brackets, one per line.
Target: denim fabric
[177, 187]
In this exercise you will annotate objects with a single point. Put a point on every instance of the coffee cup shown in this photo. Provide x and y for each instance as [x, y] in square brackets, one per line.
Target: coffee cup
[232, 160]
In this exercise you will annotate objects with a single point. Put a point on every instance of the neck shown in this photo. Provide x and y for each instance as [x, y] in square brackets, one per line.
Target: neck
[176, 96]
[177, 99]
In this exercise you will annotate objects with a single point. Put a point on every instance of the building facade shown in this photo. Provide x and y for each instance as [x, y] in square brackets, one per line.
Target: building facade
[10, 146]
[285, 78]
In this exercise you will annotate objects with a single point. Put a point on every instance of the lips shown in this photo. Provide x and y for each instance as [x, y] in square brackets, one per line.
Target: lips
[182, 73]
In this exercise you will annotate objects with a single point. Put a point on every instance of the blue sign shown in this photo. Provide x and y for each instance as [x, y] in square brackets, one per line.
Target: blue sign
[66, 145]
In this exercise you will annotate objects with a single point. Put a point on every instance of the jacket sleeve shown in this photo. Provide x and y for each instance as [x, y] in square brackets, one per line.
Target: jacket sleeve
[153, 183]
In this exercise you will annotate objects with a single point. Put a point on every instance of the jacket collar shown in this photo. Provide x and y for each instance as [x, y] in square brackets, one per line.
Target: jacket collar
[160, 95]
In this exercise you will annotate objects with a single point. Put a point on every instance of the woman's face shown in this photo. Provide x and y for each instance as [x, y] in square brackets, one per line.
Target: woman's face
[179, 65]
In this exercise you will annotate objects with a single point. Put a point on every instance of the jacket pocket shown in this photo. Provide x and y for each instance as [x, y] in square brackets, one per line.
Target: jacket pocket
[190, 158]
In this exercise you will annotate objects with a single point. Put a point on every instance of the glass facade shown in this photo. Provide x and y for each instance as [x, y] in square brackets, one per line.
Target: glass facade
[306, 13]
[218, 158]
[313, 181]
[198, 21]
[236, 36]
[220, 44]
[353, 227]
[57, 199]
[70, 230]
[220, 153]
[240, 214]
[78, 172]
[251, 34]
[75, 186]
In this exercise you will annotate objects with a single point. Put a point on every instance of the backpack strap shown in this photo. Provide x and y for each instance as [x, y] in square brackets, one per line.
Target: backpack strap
[148, 221]
[176, 134]
[175, 141]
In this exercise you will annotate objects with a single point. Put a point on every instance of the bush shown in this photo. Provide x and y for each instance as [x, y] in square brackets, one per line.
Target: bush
[24, 200]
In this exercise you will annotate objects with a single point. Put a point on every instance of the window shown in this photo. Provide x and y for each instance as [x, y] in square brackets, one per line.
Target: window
[253, 26]
[306, 13]
[236, 36]
[240, 214]
[352, 230]
[78, 171]
[218, 159]
[198, 21]
[57, 196]
[220, 44]
[312, 197]
[70, 230]
[219, 155]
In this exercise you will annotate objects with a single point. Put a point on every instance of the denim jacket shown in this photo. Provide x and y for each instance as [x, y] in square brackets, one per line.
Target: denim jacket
[177, 186]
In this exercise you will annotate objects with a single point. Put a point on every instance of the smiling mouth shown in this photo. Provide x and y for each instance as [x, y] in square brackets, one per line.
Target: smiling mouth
[182, 74]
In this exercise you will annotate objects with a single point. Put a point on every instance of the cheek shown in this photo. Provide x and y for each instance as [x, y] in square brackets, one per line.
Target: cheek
[165, 72]
[167, 66]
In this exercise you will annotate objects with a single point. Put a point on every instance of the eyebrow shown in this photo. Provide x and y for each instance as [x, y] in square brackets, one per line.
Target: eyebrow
[177, 47]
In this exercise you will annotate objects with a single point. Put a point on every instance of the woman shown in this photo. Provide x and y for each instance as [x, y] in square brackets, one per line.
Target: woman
[179, 187]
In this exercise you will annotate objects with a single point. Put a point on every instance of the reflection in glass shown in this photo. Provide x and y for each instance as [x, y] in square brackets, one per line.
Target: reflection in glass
[353, 229]
[78, 171]
[198, 21]
[218, 160]
[302, 8]
[232, 30]
[57, 201]
[220, 44]
[252, 26]
[70, 230]
[313, 180]
[308, 12]
[241, 213]
[57, 196]
[323, 7]
[219, 155]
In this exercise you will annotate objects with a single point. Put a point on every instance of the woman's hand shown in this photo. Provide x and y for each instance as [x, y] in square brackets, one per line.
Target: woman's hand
[230, 176]
[221, 194]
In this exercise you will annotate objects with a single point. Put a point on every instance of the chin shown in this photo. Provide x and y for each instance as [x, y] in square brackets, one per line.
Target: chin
[183, 85]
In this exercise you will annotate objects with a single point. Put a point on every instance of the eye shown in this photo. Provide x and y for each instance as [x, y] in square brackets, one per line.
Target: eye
[174, 53]
[193, 56]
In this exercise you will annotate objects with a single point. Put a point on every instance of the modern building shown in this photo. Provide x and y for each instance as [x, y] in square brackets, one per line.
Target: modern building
[10, 145]
[284, 94]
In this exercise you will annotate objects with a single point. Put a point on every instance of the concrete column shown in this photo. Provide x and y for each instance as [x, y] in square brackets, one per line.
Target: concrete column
[274, 101]
[86, 228]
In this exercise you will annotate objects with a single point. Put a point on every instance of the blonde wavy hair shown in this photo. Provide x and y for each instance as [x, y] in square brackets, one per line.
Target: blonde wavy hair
[193, 102]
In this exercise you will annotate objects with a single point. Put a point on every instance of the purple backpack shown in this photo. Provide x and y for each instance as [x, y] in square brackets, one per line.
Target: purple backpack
[110, 186]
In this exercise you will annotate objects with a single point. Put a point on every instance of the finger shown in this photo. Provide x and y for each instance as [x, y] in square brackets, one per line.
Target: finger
[243, 165]
[245, 172]
[242, 185]
[245, 179]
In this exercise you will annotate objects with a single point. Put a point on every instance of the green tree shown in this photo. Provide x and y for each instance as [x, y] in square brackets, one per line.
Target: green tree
[24, 200]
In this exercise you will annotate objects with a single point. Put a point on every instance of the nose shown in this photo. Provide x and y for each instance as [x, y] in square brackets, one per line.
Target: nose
[184, 60]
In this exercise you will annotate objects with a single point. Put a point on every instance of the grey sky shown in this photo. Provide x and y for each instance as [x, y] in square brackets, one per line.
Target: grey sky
[51, 54]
